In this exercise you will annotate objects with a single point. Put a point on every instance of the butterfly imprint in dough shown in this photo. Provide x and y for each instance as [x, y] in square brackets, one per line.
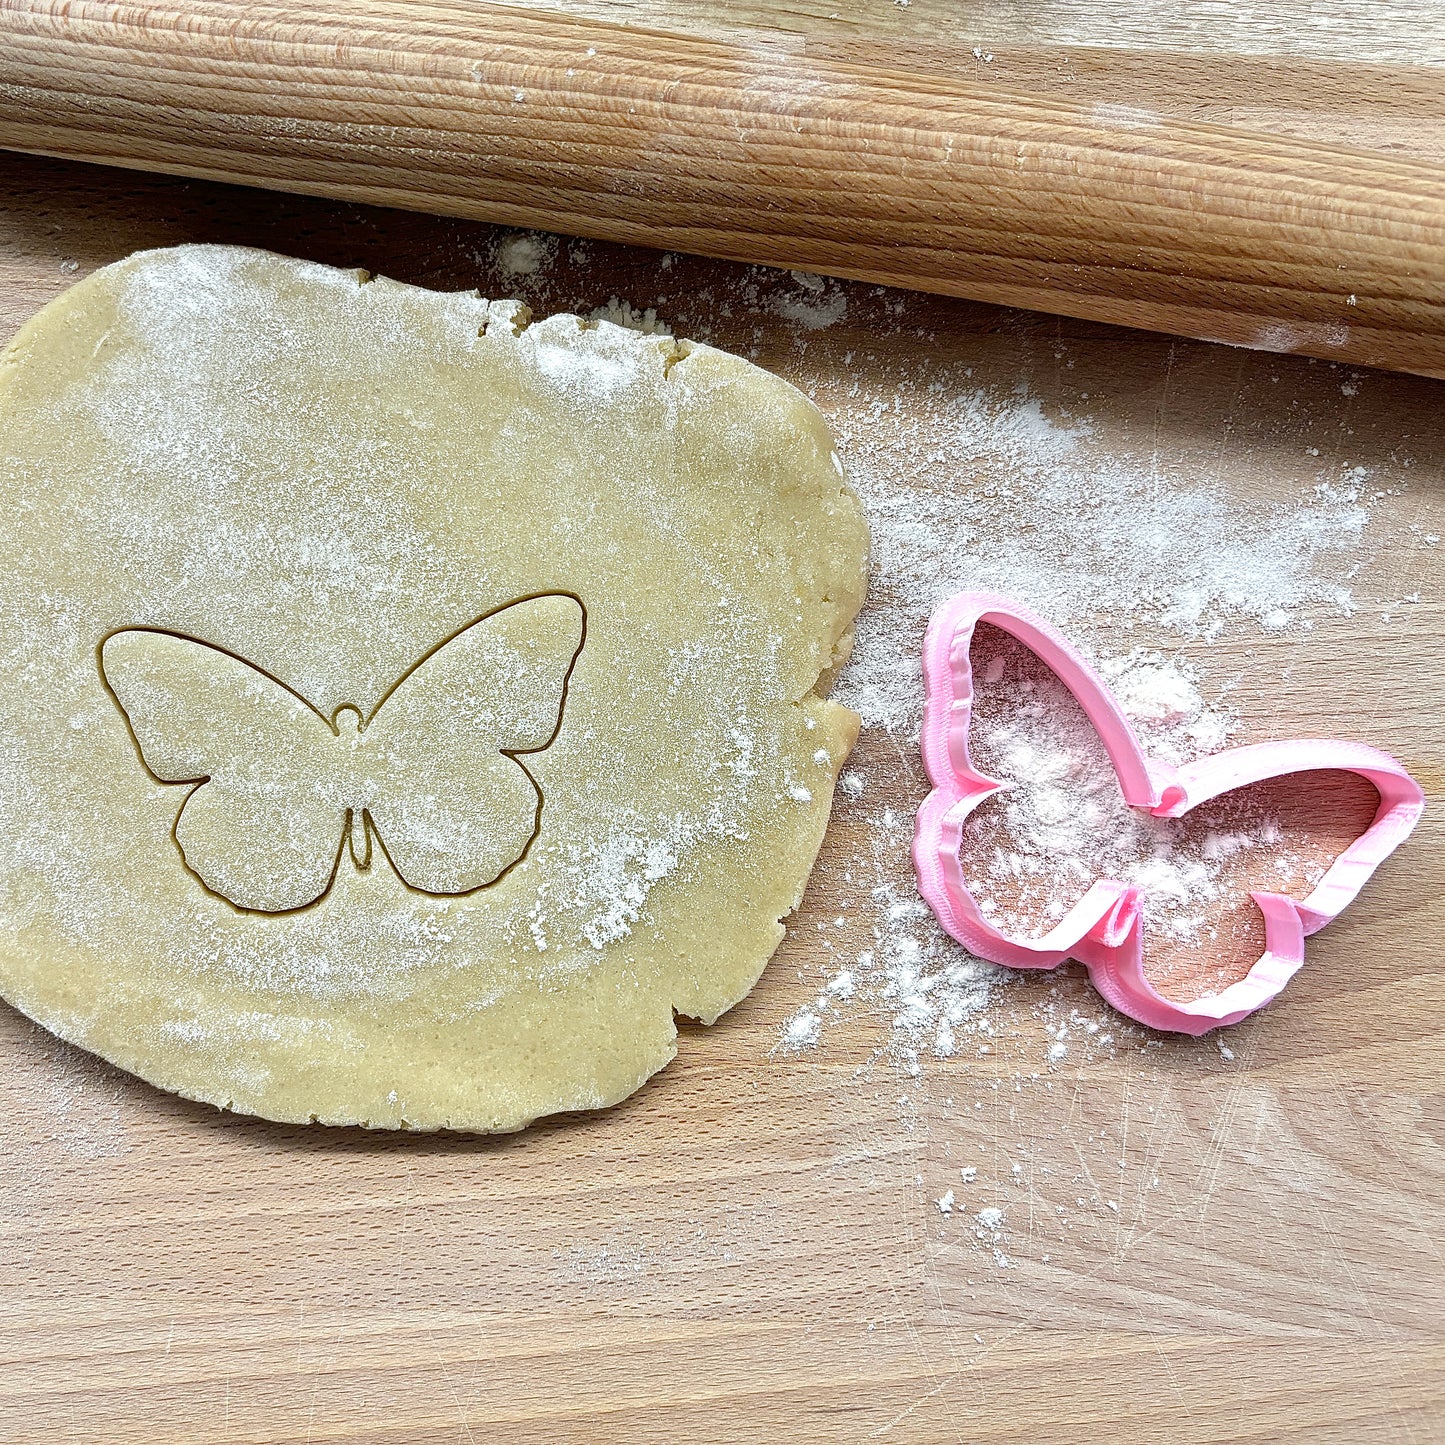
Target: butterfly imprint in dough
[432, 776]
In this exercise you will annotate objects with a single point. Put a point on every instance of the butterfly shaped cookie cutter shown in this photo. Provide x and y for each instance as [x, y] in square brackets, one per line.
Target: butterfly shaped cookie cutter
[1104, 929]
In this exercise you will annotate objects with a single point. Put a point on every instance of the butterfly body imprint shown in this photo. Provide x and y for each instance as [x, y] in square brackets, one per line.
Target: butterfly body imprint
[279, 791]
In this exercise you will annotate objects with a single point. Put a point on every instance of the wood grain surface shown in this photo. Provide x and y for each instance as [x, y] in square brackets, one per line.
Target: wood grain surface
[904, 175]
[1199, 1248]
[1390, 33]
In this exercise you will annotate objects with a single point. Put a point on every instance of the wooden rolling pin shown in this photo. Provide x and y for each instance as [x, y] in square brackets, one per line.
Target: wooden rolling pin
[540, 119]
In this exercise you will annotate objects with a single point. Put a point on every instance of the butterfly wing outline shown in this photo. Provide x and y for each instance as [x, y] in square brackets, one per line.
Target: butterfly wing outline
[454, 808]
[263, 825]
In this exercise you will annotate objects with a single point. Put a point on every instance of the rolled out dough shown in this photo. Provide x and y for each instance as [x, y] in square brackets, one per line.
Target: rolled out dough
[407, 707]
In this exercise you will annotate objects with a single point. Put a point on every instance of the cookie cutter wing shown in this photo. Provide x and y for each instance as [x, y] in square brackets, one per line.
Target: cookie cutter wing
[1103, 930]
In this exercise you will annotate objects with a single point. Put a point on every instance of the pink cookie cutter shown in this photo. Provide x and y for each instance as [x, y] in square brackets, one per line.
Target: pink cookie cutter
[1104, 929]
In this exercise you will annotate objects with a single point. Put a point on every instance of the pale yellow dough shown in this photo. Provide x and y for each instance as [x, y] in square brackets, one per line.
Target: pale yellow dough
[244, 497]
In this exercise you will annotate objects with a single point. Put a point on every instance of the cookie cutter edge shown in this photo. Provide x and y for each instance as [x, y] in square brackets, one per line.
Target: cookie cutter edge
[1104, 929]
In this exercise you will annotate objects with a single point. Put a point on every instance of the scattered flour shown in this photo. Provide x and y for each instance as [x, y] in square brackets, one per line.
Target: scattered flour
[815, 304]
[983, 491]
[988, 1232]
[1060, 824]
[624, 313]
[524, 253]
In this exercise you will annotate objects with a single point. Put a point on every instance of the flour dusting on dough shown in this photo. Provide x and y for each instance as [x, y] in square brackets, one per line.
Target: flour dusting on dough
[327, 476]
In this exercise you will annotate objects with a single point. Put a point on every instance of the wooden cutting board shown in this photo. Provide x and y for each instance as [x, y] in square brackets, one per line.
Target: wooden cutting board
[1199, 1248]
